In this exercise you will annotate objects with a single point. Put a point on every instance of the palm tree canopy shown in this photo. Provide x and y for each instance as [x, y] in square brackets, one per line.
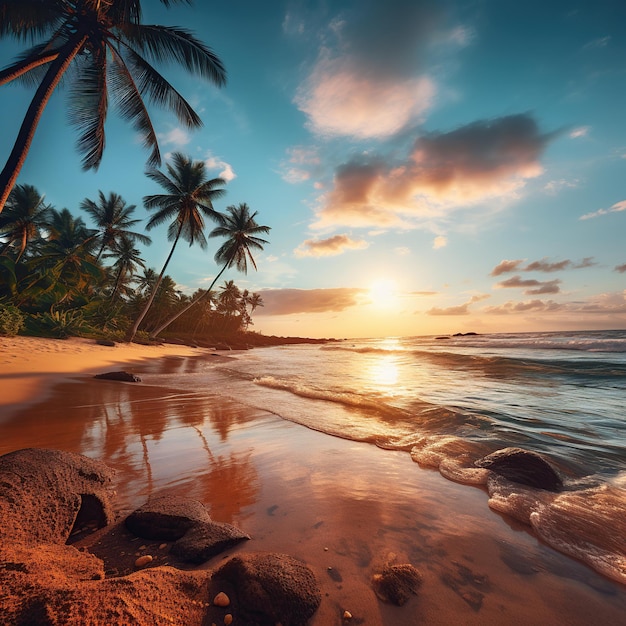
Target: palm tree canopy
[25, 216]
[110, 54]
[113, 218]
[240, 228]
[188, 199]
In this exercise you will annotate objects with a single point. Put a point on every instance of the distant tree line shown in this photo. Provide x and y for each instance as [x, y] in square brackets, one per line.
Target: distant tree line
[60, 276]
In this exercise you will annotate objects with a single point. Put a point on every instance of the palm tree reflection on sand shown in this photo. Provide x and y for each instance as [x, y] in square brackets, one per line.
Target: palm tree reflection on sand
[155, 439]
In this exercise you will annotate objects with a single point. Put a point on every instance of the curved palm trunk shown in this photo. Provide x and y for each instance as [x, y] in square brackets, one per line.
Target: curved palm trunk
[16, 159]
[192, 303]
[118, 278]
[130, 335]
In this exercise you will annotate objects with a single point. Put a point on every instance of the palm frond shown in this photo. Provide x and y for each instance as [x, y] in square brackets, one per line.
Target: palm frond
[88, 108]
[131, 106]
[159, 90]
[170, 43]
[28, 19]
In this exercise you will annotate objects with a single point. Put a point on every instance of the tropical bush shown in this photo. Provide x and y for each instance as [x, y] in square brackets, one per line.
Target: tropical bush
[11, 320]
[57, 324]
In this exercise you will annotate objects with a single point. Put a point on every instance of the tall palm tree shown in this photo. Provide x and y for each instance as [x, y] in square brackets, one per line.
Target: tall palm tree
[240, 229]
[188, 199]
[128, 259]
[24, 218]
[112, 218]
[111, 53]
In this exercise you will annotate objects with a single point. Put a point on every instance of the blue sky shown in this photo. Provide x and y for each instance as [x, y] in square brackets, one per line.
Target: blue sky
[425, 167]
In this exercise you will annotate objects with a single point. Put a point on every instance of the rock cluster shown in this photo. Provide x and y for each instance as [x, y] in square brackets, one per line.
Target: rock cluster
[45, 495]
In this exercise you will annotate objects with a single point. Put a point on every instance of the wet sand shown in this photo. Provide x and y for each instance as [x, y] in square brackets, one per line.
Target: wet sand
[345, 508]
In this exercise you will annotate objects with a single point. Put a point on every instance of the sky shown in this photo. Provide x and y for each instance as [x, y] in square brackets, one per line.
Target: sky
[426, 167]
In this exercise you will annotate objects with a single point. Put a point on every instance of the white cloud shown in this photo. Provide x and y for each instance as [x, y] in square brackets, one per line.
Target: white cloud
[581, 131]
[616, 208]
[554, 186]
[177, 137]
[440, 242]
[214, 163]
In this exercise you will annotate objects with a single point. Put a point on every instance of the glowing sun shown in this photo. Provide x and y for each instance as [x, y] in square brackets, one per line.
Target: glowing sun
[382, 293]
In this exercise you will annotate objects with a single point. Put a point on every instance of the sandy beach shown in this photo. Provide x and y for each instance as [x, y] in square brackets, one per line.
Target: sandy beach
[344, 508]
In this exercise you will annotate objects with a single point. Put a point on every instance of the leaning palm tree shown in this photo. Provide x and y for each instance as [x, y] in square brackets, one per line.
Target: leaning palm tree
[111, 53]
[189, 196]
[24, 218]
[113, 219]
[240, 229]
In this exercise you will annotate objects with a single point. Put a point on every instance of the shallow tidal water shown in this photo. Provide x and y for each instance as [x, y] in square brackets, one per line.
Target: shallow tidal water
[344, 506]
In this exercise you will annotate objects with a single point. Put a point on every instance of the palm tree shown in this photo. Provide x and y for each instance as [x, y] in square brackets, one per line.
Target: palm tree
[24, 218]
[240, 229]
[66, 266]
[111, 52]
[189, 197]
[112, 217]
[128, 259]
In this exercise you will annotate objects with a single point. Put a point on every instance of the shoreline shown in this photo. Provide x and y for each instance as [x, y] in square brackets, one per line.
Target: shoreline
[341, 506]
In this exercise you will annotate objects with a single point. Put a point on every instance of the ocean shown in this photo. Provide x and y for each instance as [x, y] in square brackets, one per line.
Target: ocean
[449, 401]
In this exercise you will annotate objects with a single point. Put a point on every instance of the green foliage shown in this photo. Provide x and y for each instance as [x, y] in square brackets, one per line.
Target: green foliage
[11, 320]
[58, 324]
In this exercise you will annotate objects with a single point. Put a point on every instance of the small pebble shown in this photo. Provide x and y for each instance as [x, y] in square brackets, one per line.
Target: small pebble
[221, 599]
[325, 549]
[228, 619]
[143, 560]
[163, 546]
[347, 615]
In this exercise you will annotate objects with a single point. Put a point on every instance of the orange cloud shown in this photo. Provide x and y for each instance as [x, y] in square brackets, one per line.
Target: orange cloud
[329, 247]
[444, 171]
[290, 301]
[506, 266]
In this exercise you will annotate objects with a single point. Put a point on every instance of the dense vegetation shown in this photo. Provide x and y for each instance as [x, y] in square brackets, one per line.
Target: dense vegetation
[61, 276]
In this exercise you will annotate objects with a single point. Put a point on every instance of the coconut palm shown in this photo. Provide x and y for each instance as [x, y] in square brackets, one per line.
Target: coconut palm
[113, 218]
[188, 200]
[128, 259]
[25, 216]
[66, 266]
[240, 229]
[110, 53]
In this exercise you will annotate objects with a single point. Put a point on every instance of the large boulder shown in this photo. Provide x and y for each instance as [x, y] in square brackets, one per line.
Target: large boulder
[46, 494]
[524, 467]
[167, 518]
[272, 588]
[204, 541]
[185, 521]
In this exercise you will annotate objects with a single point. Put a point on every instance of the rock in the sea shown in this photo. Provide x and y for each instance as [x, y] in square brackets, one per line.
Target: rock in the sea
[142, 561]
[397, 583]
[167, 518]
[272, 588]
[45, 494]
[205, 540]
[126, 377]
[524, 467]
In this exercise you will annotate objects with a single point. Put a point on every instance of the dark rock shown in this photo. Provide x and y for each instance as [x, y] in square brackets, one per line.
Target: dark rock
[204, 541]
[272, 588]
[397, 583]
[167, 518]
[524, 467]
[123, 376]
[105, 342]
[44, 492]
